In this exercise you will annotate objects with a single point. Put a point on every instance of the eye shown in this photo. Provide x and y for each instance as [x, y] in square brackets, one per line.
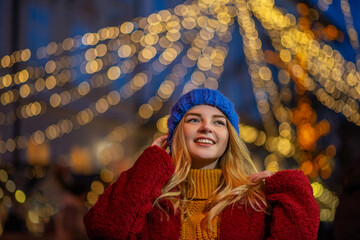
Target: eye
[192, 120]
[219, 122]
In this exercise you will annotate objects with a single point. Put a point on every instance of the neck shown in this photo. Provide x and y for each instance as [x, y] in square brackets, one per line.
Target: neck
[211, 165]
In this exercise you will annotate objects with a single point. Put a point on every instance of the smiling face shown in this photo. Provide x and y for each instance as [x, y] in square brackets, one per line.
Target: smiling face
[206, 134]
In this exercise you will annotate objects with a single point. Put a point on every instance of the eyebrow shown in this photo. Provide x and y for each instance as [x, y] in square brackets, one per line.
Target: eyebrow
[199, 115]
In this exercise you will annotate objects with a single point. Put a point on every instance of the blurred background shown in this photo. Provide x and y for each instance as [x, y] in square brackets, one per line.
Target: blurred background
[85, 87]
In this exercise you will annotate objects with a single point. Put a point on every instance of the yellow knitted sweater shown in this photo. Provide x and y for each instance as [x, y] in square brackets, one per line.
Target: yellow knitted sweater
[194, 225]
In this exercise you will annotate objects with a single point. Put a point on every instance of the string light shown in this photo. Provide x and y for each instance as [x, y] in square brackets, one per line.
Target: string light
[8, 61]
[203, 29]
[258, 70]
[353, 35]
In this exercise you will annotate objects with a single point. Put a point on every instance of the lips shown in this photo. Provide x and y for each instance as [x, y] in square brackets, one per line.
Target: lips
[205, 140]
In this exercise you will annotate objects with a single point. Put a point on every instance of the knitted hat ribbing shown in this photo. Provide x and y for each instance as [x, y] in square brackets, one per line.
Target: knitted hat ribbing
[203, 96]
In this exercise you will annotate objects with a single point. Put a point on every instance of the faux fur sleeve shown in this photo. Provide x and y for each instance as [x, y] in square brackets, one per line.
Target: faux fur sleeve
[120, 211]
[295, 212]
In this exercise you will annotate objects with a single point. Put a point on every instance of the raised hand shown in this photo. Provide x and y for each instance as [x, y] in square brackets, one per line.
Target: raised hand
[161, 141]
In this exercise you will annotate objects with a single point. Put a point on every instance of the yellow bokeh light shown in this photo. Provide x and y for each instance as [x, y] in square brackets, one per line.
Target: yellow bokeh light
[10, 145]
[101, 50]
[154, 19]
[127, 27]
[50, 82]
[55, 100]
[285, 55]
[224, 18]
[137, 36]
[25, 55]
[173, 36]
[23, 76]
[83, 88]
[114, 73]
[145, 111]
[33, 217]
[94, 66]
[211, 83]
[208, 2]
[65, 126]
[248, 134]
[85, 116]
[206, 35]
[102, 105]
[162, 124]
[51, 48]
[65, 97]
[24, 91]
[106, 175]
[10, 186]
[113, 97]
[90, 54]
[5, 61]
[52, 132]
[97, 187]
[204, 63]
[90, 38]
[189, 23]
[38, 137]
[67, 44]
[169, 54]
[151, 39]
[317, 189]
[148, 53]
[3, 175]
[265, 73]
[284, 146]
[40, 84]
[20, 196]
[198, 78]
[50, 66]
[138, 81]
[156, 103]
[166, 89]
[80, 160]
[165, 15]
[124, 51]
[272, 166]
[92, 198]
[7, 80]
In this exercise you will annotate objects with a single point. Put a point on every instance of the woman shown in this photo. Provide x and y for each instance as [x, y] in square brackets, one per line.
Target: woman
[207, 188]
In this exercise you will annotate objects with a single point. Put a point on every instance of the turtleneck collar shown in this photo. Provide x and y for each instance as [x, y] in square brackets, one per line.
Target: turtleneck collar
[205, 180]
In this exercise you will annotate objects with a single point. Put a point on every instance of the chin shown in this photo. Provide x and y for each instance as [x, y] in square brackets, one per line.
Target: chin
[208, 159]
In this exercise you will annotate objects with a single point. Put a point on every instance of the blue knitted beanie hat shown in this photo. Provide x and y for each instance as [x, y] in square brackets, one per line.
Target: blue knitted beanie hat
[203, 96]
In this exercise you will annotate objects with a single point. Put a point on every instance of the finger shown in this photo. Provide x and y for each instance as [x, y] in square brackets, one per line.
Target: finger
[159, 141]
[252, 177]
[164, 145]
[258, 177]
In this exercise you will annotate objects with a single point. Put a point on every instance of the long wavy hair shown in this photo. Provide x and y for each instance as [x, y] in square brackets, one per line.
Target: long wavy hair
[234, 186]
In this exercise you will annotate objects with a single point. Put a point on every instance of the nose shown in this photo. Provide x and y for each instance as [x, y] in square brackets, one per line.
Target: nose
[205, 127]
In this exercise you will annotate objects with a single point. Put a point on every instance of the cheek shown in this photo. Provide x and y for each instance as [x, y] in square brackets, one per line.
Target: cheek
[188, 132]
[225, 140]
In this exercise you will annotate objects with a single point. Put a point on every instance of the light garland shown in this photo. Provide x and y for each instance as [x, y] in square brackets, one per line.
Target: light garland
[160, 39]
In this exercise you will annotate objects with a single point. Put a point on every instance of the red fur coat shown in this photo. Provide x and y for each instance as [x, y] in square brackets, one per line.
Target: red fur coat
[125, 209]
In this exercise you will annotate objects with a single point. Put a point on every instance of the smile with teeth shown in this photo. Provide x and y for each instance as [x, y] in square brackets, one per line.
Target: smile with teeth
[204, 140]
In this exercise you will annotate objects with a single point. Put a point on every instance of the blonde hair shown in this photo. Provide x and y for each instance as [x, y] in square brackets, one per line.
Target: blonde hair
[234, 187]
